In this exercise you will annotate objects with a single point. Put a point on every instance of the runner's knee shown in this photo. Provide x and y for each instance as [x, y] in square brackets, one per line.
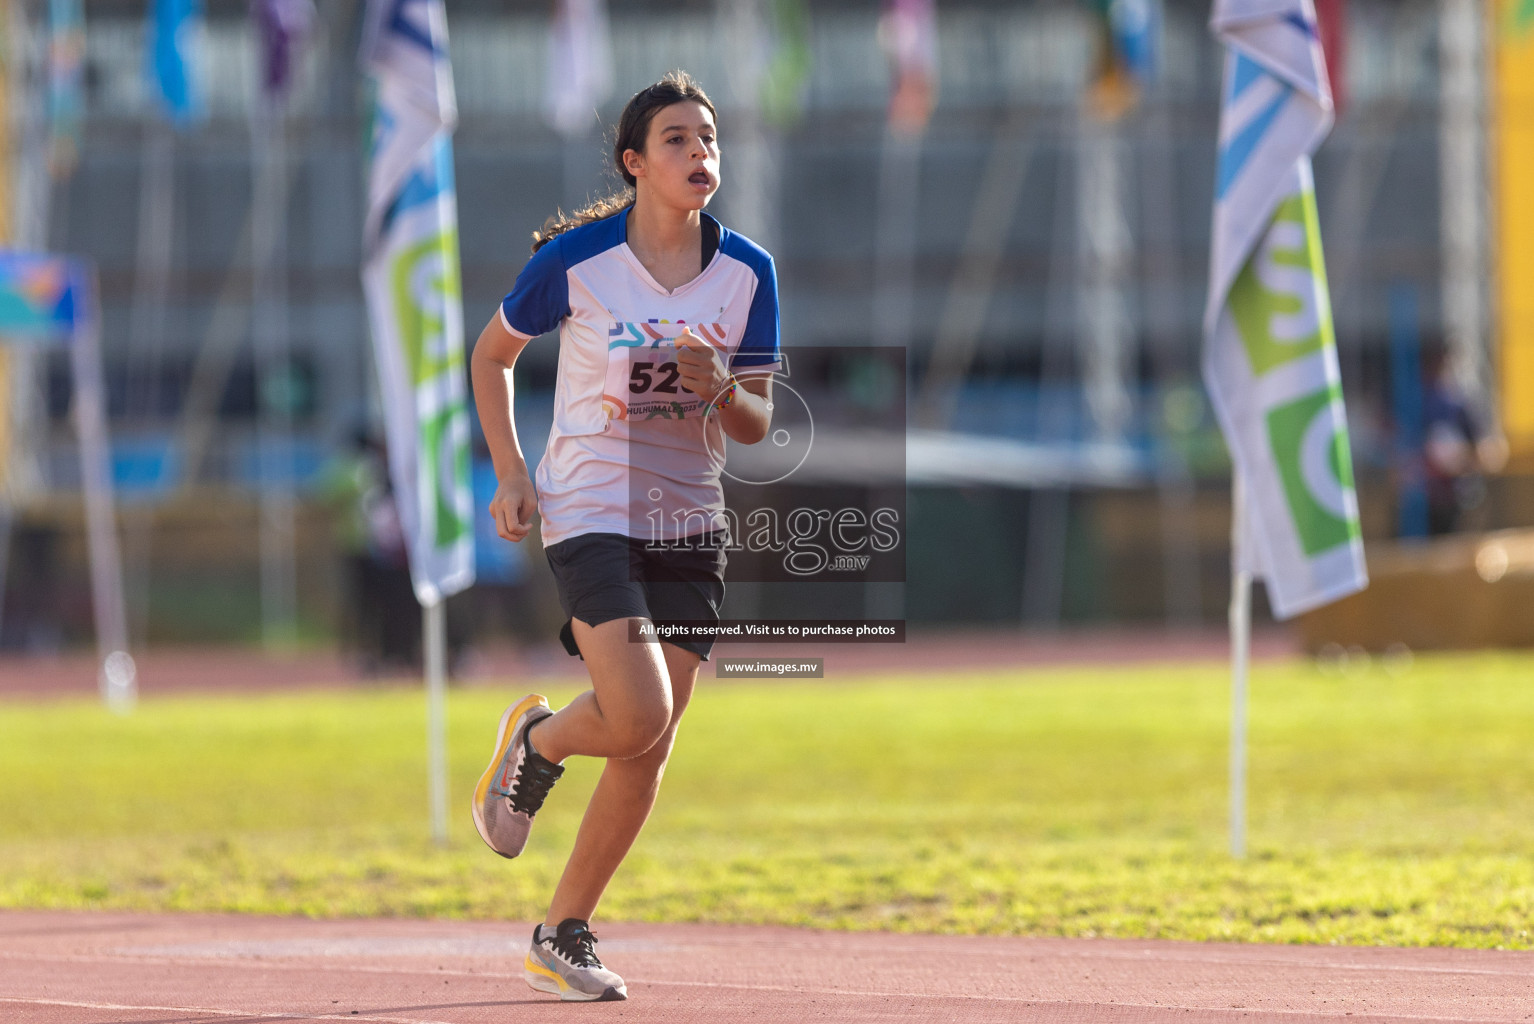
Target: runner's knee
[639, 730]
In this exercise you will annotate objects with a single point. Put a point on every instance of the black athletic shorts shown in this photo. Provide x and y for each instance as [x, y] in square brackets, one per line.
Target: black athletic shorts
[606, 576]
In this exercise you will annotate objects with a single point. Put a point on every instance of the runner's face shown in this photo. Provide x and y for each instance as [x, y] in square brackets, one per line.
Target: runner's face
[680, 162]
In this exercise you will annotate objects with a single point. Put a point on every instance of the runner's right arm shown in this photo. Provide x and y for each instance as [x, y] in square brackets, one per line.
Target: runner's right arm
[495, 353]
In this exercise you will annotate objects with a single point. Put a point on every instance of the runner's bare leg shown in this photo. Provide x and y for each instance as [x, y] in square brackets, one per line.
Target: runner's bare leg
[628, 705]
[626, 792]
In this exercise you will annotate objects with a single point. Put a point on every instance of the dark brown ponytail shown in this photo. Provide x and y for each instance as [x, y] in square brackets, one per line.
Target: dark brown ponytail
[633, 126]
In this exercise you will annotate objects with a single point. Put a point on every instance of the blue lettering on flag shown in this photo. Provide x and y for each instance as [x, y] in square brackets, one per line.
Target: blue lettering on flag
[410, 29]
[384, 124]
[1234, 155]
[424, 184]
[1246, 72]
[1299, 22]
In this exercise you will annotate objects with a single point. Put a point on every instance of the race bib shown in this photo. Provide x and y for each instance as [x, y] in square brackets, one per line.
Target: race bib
[643, 379]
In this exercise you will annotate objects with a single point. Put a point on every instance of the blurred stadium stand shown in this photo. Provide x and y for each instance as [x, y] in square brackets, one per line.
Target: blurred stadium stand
[1002, 64]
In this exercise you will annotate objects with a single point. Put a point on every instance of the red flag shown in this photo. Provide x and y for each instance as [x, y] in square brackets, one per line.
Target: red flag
[1332, 27]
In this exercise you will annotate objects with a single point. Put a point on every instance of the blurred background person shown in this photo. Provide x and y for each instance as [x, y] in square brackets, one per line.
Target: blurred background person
[380, 623]
[1458, 448]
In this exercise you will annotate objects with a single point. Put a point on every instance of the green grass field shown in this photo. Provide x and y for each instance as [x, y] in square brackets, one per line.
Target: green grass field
[1385, 808]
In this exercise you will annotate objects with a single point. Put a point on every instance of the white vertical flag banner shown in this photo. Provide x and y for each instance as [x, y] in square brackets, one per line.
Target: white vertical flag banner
[580, 74]
[1270, 353]
[414, 296]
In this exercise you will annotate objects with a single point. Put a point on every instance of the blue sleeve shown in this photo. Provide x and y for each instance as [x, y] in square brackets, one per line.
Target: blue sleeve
[541, 297]
[759, 345]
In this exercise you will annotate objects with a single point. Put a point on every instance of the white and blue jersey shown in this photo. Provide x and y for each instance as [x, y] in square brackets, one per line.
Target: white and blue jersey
[629, 448]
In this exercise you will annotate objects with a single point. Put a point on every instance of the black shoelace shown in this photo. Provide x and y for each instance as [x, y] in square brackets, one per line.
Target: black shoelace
[576, 945]
[534, 781]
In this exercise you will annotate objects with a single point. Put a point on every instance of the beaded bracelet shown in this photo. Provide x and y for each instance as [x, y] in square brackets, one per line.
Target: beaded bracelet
[727, 395]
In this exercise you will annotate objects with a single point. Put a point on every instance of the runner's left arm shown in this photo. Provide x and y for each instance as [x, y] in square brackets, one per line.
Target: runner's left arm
[747, 415]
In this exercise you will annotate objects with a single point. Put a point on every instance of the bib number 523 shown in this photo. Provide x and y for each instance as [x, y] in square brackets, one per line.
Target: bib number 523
[641, 381]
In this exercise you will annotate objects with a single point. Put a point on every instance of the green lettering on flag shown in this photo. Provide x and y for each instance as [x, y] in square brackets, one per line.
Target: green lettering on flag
[438, 446]
[424, 280]
[1279, 301]
[1313, 461]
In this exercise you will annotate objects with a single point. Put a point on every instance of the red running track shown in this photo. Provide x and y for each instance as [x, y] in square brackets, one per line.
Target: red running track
[118, 968]
[239, 670]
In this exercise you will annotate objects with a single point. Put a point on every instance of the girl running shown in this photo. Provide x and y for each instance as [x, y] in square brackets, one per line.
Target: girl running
[658, 306]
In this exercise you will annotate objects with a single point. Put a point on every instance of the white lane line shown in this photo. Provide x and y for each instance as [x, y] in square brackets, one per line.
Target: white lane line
[1231, 959]
[1151, 956]
[1364, 1015]
[211, 1011]
[247, 964]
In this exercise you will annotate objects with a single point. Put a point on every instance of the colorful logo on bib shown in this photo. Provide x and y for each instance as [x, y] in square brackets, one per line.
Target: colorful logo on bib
[651, 333]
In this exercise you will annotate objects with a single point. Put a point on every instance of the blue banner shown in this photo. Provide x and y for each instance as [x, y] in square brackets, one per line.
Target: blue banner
[170, 59]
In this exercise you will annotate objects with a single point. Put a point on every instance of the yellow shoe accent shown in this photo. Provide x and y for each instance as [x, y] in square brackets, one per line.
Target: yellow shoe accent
[502, 742]
[529, 964]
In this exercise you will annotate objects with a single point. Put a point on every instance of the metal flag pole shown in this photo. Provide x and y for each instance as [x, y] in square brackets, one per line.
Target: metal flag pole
[434, 631]
[274, 374]
[118, 675]
[753, 172]
[411, 248]
[974, 281]
[1240, 660]
[1275, 401]
[147, 325]
[1462, 220]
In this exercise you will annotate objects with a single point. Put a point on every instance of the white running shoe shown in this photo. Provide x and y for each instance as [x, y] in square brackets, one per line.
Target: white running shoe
[563, 963]
[513, 788]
